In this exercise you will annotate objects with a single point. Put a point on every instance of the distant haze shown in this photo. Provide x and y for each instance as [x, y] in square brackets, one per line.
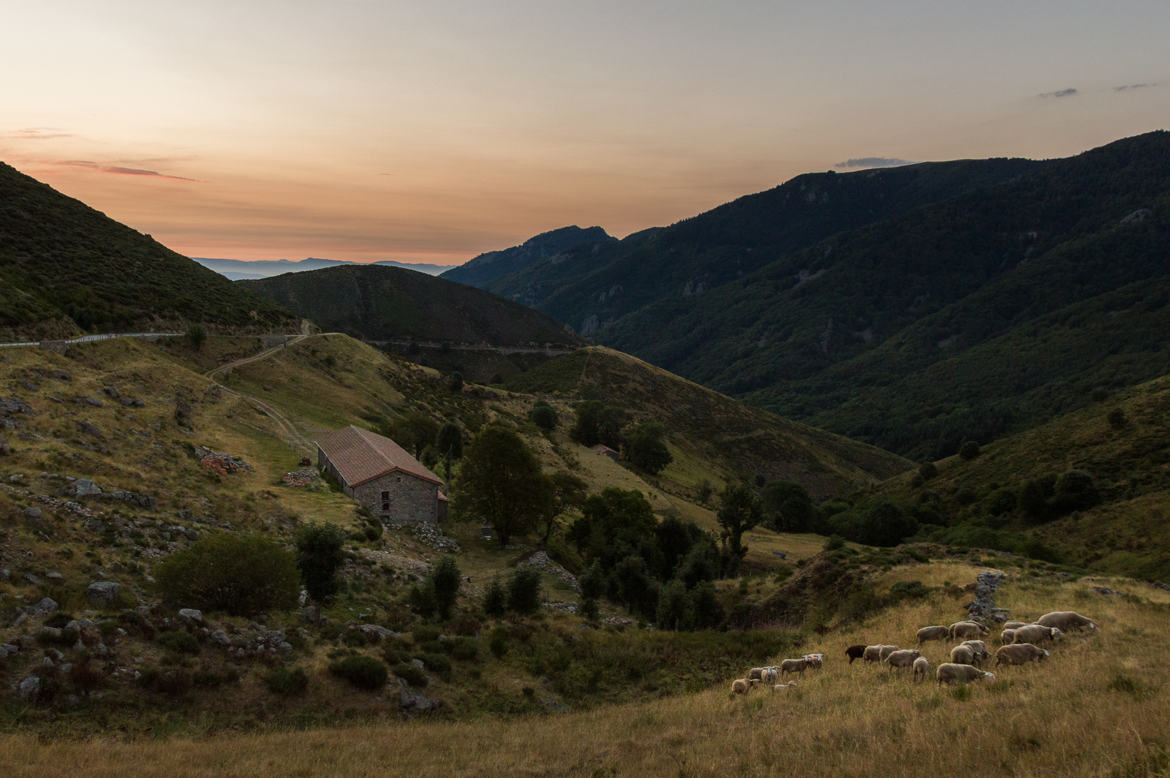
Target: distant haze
[434, 132]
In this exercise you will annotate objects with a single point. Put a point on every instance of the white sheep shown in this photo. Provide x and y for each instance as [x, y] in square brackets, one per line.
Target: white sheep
[950, 673]
[921, 668]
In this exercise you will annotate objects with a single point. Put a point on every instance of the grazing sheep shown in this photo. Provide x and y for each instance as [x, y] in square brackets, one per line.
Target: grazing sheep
[902, 658]
[1007, 636]
[740, 686]
[872, 653]
[980, 649]
[949, 673]
[756, 673]
[1019, 653]
[793, 666]
[932, 633]
[967, 629]
[769, 676]
[783, 687]
[1034, 633]
[1015, 624]
[815, 661]
[1066, 621]
[921, 668]
[855, 652]
[885, 651]
[963, 655]
[754, 682]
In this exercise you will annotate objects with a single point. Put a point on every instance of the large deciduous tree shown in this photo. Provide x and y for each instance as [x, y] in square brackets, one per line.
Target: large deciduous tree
[500, 482]
[739, 511]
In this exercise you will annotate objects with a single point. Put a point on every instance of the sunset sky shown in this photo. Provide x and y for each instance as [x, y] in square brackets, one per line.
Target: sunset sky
[430, 132]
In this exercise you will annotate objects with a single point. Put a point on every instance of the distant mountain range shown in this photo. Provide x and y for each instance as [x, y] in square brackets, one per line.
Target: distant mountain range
[910, 307]
[547, 247]
[250, 270]
[378, 303]
[67, 269]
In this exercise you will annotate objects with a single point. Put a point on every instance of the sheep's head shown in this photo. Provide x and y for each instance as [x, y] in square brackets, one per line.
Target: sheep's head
[1046, 653]
[989, 677]
[1055, 633]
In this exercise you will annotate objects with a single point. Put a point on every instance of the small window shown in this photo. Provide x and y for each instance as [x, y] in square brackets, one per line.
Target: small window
[385, 502]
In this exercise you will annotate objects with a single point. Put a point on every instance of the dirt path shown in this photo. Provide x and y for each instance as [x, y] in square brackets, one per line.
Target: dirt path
[289, 431]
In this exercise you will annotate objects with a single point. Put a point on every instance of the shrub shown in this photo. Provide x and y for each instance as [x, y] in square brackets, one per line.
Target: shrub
[1074, 491]
[588, 608]
[495, 599]
[412, 674]
[240, 574]
[178, 641]
[834, 542]
[524, 590]
[646, 447]
[425, 633]
[444, 581]
[319, 557]
[969, 450]
[927, 470]
[1117, 419]
[437, 663]
[282, 680]
[544, 416]
[464, 649]
[362, 672]
[1000, 501]
[908, 590]
[498, 643]
[196, 335]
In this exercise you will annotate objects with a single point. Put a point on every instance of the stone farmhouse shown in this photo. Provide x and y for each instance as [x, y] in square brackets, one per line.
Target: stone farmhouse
[382, 476]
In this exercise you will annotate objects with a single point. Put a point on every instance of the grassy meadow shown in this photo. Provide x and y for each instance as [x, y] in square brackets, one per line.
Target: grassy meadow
[1097, 707]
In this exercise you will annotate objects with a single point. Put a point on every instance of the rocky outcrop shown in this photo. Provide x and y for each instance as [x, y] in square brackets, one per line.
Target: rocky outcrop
[982, 608]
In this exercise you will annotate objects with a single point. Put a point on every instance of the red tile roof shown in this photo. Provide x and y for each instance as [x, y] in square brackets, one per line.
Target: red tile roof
[360, 455]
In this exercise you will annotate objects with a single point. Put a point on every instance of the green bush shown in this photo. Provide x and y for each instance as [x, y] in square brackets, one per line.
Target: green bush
[411, 674]
[588, 608]
[834, 542]
[178, 641]
[544, 416]
[524, 590]
[927, 470]
[282, 680]
[363, 672]
[319, 557]
[498, 643]
[495, 599]
[464, 649]
[437, 663]
[240, 574]
[445, 580]
[1117, 419]
[425, 633]
[969, 450]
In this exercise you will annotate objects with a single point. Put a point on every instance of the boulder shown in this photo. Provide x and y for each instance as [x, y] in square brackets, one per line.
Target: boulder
[46, 607]
[103, 594]
[191, 617]
[29, 688]
[83, 487]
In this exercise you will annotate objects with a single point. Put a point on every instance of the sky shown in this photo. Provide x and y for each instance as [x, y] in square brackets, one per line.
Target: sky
[431, 132]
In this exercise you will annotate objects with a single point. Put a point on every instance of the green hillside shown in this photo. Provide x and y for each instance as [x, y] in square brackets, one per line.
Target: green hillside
[595, 285]
[945, 322]
[385, 303]
[66, 269]
[1087, 489]
[737, 439]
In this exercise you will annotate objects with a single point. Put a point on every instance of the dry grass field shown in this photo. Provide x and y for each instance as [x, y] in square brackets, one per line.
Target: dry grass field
[1097, 707]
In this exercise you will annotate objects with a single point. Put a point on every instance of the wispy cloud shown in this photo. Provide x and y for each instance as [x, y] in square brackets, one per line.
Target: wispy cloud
[1124, 87]
[864, 162]
[123, 171]
[1070, 92]
[36, 133]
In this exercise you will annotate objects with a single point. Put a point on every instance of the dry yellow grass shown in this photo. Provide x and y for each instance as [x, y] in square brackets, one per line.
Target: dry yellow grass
[1097, 707]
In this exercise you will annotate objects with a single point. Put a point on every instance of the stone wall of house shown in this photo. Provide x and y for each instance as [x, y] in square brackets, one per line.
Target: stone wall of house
[412, 500]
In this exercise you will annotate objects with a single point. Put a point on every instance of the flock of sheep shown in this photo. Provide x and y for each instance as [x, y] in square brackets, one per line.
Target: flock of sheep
[1019, 645]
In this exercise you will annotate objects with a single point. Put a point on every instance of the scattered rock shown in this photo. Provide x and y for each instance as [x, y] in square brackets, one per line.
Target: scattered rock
[111, 392]
[34, 518]
[541, 560]
[375, 633]
[430, 535]
[29, 688]
[29, 386]
[89, 428]
[219, 637]
[103, 594]
[1105, 590]
[414, 701]
[1162, 585]
[49, 635]
[220, 463]
[299, 478]
[193, 617]
[83, 487]
[60, 375]
[982, 608]
[46, 607]
[1138, 216]
[91, 401]
[13, 405]
[131, 402]
[5, 448]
